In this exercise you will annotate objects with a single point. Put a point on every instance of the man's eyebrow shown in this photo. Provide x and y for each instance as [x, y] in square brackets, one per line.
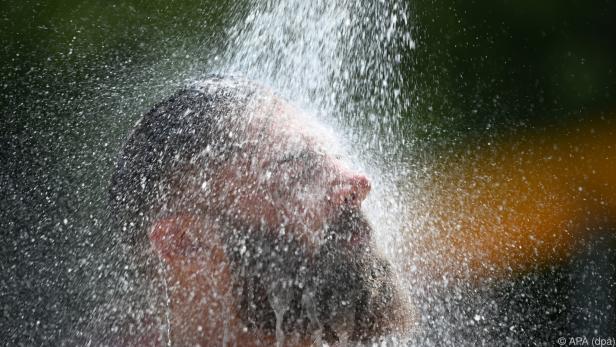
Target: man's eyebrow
[295, 156]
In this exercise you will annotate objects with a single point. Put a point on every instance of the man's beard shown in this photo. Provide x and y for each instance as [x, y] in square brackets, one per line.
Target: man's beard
[342, 289]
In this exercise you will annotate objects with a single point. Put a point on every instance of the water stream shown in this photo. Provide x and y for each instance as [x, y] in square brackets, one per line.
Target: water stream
[477, 217]
[338, 61]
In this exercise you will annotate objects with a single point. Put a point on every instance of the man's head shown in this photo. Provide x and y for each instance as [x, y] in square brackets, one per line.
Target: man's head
[247, 206]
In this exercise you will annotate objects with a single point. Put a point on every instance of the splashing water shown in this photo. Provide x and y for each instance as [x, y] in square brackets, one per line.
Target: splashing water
[70, 102]
[338, 60]
[280, 299]
[335, 60]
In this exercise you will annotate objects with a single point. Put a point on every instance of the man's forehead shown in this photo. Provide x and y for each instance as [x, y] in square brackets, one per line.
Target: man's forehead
[294, 128]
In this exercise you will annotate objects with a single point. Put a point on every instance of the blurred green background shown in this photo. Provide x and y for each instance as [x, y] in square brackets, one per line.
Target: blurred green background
[76, 74]
[494, 67]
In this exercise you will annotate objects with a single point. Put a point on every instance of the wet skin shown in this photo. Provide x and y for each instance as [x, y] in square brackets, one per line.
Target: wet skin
[286, 174]
[284, 192]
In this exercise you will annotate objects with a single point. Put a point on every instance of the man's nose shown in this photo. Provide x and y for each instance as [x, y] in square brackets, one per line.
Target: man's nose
[350, 189]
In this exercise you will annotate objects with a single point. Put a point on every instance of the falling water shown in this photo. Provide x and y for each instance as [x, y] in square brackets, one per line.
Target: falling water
[70, 103]
[311, 310]
[279, 298]
[339, 61]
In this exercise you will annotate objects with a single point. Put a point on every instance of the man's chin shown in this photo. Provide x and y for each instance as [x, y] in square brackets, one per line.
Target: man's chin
[346, 288]
[358, 294]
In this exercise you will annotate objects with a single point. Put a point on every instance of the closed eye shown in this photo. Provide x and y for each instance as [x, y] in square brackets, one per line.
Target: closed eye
[301, 156]
[288, 158]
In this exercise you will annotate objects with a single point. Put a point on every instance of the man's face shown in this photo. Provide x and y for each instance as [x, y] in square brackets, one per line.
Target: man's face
[289, 175]
[298, 242]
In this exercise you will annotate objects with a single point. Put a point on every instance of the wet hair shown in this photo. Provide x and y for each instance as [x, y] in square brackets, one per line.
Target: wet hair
[192, 130]
[195, 129]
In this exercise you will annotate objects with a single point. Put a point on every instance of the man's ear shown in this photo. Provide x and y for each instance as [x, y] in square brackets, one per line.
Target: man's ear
[173, 237]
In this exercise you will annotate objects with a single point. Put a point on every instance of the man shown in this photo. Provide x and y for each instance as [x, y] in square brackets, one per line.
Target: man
[243, 228]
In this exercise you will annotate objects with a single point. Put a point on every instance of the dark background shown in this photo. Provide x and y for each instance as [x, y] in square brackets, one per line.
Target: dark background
[76, 74]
